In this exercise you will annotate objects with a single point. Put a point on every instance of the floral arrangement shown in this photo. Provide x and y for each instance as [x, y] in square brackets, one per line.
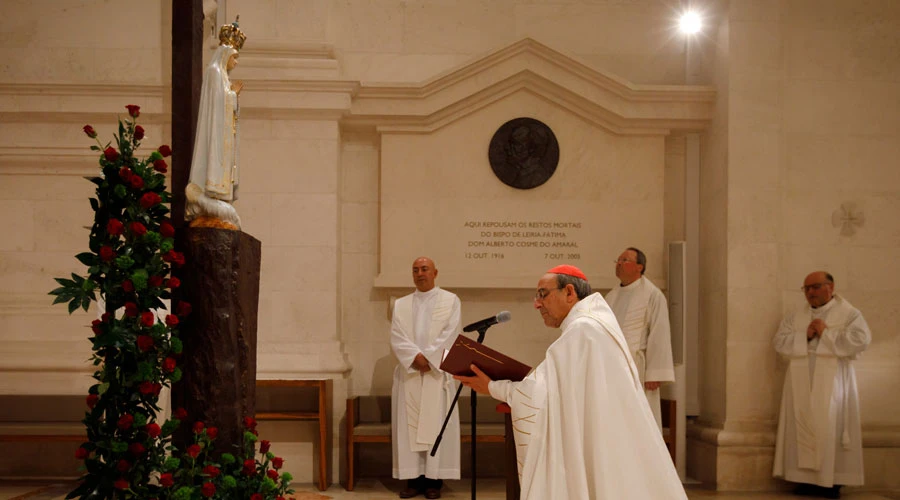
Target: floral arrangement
[128, 454]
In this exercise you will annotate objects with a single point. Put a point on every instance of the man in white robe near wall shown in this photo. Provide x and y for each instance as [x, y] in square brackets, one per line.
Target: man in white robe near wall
[641, 310]
[423, 324]
[819, 443]
[582, 425]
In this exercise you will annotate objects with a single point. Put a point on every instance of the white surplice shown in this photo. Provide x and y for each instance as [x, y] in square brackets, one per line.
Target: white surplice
[819, 433]
[583, 428]
[426, 323]
[641, 310]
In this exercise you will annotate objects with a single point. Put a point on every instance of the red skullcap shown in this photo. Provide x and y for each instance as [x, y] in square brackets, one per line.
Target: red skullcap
[569, 271]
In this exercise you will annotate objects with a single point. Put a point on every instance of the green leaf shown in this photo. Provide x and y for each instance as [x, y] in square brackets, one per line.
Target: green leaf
[87, 258]
[73, 305]
[85, 303]
[95, 204]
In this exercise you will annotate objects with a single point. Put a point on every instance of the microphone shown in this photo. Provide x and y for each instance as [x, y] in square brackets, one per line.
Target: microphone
[502, 317]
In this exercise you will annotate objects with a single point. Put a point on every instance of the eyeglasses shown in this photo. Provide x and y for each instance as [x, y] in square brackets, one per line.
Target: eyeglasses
[542, 293]
[815, 286]
[622, 261]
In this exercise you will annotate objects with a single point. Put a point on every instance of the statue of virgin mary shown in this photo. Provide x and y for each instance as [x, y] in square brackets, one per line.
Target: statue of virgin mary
[213, 184]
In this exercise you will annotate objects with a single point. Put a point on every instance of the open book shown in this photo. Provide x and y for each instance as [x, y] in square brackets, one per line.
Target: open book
[495, 365]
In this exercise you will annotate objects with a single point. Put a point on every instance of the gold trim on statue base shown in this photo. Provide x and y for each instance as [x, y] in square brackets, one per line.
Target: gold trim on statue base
[204, 221]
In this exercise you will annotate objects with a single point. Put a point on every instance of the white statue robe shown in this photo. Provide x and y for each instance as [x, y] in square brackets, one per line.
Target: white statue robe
[214, 167]
[819, 433]
[583, 428]
[641, 310]
[426, 323]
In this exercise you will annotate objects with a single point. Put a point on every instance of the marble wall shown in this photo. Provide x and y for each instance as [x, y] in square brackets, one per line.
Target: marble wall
[804, 120]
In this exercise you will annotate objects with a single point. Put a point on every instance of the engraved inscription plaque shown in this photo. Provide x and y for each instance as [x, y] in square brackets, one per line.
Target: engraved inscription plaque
[523, 153]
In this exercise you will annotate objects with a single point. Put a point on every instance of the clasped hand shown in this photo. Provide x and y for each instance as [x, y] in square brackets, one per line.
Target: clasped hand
[815, 329]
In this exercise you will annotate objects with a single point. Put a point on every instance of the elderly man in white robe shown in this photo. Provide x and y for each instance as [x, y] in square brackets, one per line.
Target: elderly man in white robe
[423, 325]
[819, 442]
[583, 428]
[641, 310]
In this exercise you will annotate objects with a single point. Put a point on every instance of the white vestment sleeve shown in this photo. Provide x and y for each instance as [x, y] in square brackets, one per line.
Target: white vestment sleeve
[847, 341]
[404, 349]
[435, 352]
[660, 367]
[502, 390]
[784, 338]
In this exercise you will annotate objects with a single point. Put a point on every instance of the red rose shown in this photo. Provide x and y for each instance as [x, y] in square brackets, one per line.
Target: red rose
[249, 423]
[107, 253]
[105, 317]
[138, 133]
[264, 446]
[173, 282]
[273, 474]
[136, 449]
[256, 496]
[198, 427]
[92, 400]
[125, 174]
[176, 258]
[212, 432]
[180, 413]
[169, 365]
[183, 308]
[279, 497]
[166, 480]
[193, 450]
[115, 227]
[145, 342]
[277, 463]
[150, 199]
[136, 181]
[208, 489]
[157, 387]
[146, 388]
[131, 309]
[160, 166]
[155, 281]
[121, 484]
[123, 465]
[165, 150]
[166, 230]
[89, 130]
[153, 430]
[127, 286]
[82, 453]
[133, 110]
[211, 471]
[171, 320]
[137, 228]
[111, 154]
[125, 422]
[249, 467]
[95, 326]
[148, 319]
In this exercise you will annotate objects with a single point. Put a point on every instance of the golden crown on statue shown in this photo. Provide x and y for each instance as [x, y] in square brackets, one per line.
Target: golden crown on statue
[231, 35]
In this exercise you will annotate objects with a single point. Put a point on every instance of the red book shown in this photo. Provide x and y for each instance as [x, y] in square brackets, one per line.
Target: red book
[495, 365]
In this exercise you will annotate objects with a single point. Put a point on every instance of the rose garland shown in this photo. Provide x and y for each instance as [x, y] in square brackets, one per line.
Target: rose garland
[136, 352]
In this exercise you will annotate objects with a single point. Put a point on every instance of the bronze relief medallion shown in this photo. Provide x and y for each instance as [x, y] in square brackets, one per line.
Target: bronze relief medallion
[523, 153]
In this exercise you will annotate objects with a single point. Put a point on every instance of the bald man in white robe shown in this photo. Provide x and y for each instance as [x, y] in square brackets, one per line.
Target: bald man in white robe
[583, 428]
[819, 441]
[424, 324]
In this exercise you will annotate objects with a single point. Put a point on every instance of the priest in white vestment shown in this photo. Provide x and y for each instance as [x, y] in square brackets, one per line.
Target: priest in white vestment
[424, 324]
[583, 428]
[641, 310]
[819, 443]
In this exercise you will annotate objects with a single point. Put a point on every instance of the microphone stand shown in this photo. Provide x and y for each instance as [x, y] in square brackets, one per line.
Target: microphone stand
[437, 441]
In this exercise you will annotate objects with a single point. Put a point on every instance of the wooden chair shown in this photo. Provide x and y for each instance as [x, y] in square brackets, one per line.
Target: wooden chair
[670, 424]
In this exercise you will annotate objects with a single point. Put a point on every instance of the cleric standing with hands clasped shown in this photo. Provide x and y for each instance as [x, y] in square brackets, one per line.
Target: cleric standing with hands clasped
[424, 324]
[583, 429]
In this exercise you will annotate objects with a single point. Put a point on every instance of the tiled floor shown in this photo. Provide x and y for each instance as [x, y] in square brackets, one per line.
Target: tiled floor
[372, 489]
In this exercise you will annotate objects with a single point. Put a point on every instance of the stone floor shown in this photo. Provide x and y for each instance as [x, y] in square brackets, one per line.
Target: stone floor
[374, 489]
